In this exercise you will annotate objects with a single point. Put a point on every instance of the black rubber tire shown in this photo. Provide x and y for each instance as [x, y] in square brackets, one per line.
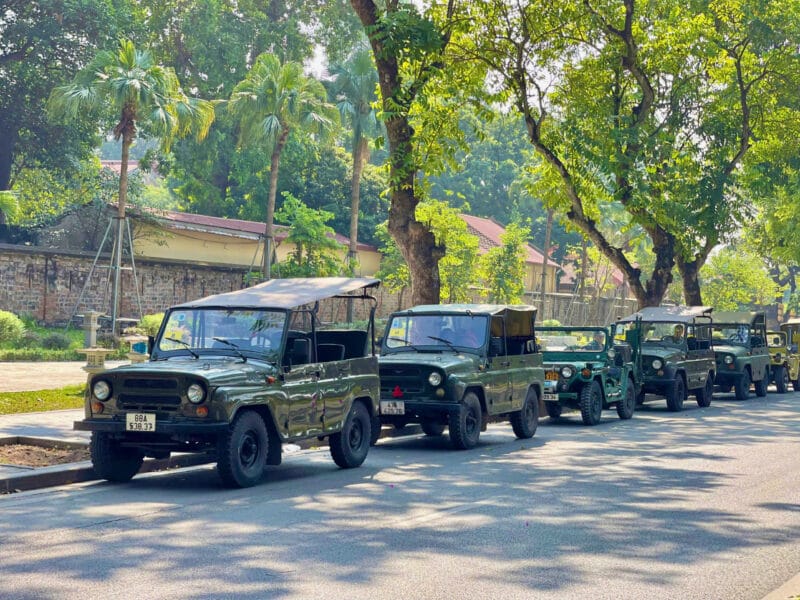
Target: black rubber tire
[591, 403]
[432, 428]
[742, 386]
[525, 421]
[375, 430]
[705, 393]
[349, 447]
[111, 461]
[640, 398]
[796, 385]
[242, 451]
[627, 405]
[676, 395]
[465, 425]
[781, 375]
[761, 385]
[724, 389]
[554, 409]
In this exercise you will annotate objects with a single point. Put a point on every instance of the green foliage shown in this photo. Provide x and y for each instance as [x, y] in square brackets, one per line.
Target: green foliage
[551, 323]
[150, 324]
[457, 267]
[503, 267]
[11, 328]
[394, 272]
[317, 253]
[56, 341]
[9, 207]
[735, 280]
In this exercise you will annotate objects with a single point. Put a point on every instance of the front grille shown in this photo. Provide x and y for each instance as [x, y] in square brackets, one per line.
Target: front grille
[409, 378]
[151, 394]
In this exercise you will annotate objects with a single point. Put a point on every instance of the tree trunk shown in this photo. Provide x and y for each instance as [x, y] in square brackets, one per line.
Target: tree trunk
[273, 190]
[127, 140]
[547, 231]
[690, 271]
[360, 154]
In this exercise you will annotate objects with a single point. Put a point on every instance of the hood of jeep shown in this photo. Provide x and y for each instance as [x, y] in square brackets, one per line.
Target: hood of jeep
[448, 362]
[731, 349]
[665, 353]
[216, 371]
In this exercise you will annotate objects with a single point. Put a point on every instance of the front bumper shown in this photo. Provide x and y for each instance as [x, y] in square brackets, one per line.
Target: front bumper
[416, 410]
[162, 427]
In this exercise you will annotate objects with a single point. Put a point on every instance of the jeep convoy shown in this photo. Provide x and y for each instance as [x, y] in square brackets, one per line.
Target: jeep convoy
[240, 374]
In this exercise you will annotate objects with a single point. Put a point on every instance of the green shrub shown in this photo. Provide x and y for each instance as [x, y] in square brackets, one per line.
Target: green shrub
[29, 339]
[56, 341]
[39, 354]
[11, 327]
[150, 324]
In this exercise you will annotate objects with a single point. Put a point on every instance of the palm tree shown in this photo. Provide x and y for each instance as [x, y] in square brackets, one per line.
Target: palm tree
[354, 91]
[129, 85]
[271, 101]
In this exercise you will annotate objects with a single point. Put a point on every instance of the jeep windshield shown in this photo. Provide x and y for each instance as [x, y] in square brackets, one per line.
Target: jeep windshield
[669, 333]
[737, 334]
[436, 332]
[243, 333]
[571, 340]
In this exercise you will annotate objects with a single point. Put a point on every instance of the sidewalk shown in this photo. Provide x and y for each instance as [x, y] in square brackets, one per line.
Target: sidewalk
[32, 376]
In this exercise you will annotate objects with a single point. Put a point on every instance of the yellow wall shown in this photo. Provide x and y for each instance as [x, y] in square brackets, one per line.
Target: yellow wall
[533, 278]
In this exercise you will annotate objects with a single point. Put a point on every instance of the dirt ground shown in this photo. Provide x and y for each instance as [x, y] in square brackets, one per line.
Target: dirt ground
[35, 456]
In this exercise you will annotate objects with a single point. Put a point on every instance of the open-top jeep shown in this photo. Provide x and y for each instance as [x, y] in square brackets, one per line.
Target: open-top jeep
[677, 357]
[740, 344]
[792, 330]
[459, 366]
[784, 364]
[239, 374]
[584, 368]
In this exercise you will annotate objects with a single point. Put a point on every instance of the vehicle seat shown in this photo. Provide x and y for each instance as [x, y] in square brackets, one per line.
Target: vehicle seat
[298, 352]
[330, 352]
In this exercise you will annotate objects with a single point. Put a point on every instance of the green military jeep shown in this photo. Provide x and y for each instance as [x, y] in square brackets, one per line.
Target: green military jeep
[584, 368]
[238, 375]
[791, 329]
[740, 344]
[784, 364]
[460, 365]
[677, 357]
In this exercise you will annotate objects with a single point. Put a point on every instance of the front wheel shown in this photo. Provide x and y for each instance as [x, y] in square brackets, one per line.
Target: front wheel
[742, 386]
[676, 395]
[627, 405]
[242, 451]
[111, 461]
[349, 446]
[554, 409]
[465, 424]
[704, 394]
[761, 385]
[591, 403]
[525, 422]
[781, 374]
[375, 430]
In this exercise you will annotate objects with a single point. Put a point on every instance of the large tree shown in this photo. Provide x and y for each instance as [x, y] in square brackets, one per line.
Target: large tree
[269, 103]
[649, 107]
[128, 84]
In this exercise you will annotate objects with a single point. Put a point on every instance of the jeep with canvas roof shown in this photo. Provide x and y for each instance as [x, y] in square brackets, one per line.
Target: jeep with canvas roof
[784, 364]
[677, 357]
[791, 329]
[586, 369]
[238, 375]
[460, 366]
[740, 344]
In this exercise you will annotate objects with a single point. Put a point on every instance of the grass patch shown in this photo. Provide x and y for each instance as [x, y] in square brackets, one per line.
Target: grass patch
[24, 402]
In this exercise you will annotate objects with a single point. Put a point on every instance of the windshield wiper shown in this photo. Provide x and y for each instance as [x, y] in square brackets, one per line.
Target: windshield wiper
[232, 345]
[185, 345]
[448, 342]
[406, 342]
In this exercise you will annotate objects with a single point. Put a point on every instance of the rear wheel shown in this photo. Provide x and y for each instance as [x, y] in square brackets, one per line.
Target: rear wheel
[627, 405]
[742, 386]
[705, 393]
[554, 409]
[349, 446]
[432, 428]
[111, 461]
[525, 422]
[591, 403]
[781, 374]
[242, 451]
[465, 425]
[676, 395]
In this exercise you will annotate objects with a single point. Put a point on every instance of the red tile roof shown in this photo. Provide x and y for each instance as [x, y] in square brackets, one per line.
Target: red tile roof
[489, 232]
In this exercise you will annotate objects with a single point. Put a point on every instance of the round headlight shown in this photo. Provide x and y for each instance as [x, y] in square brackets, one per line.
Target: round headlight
[101, 390]
[434, 379]
[727, 359]
[611, 353]
[657, 364]
[195, 393]
[567, 372]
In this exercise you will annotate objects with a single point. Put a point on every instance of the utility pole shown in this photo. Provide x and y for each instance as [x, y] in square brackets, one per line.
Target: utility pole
[547, 231]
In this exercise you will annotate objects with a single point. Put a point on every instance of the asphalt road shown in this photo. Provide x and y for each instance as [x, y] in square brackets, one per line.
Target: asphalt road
[699, 504]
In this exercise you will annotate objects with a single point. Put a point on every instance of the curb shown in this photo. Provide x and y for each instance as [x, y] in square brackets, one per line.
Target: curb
[788, 591]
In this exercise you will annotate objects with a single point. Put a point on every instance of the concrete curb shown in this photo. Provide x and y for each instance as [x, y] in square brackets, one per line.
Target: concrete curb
[789, 590]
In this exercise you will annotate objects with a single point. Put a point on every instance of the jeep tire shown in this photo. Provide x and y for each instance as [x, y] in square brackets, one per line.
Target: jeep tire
[375, 430]
[432, 428]
[676, 394]
[591, 403]
[525, 421]
[111, 461]
[554, 409]
[761, 385]
[781, 374]
[242, 450]
[627, 404]
[742, 386]
[704, 394]
[349, 447]
[465, 423]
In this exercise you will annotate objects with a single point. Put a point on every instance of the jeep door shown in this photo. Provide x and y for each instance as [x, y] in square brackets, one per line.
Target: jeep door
[334, 388]
[498, 382]
[699, 356]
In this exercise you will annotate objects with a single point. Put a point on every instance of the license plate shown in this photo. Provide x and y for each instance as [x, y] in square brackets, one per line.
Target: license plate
[393, 407]
[550, 397]
[551, 375]
[140, 422]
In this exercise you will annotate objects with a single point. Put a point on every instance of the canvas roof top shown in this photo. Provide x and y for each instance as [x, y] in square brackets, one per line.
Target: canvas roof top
[476, 309]
[738, 317]
[285, 293]
[669, 314]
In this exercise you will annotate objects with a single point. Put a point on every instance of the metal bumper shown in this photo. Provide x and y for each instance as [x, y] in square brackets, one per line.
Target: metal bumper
[167, 428]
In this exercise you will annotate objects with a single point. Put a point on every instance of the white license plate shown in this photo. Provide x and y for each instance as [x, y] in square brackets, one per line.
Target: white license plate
[550, 397]
[393, 407]
[140, 422]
